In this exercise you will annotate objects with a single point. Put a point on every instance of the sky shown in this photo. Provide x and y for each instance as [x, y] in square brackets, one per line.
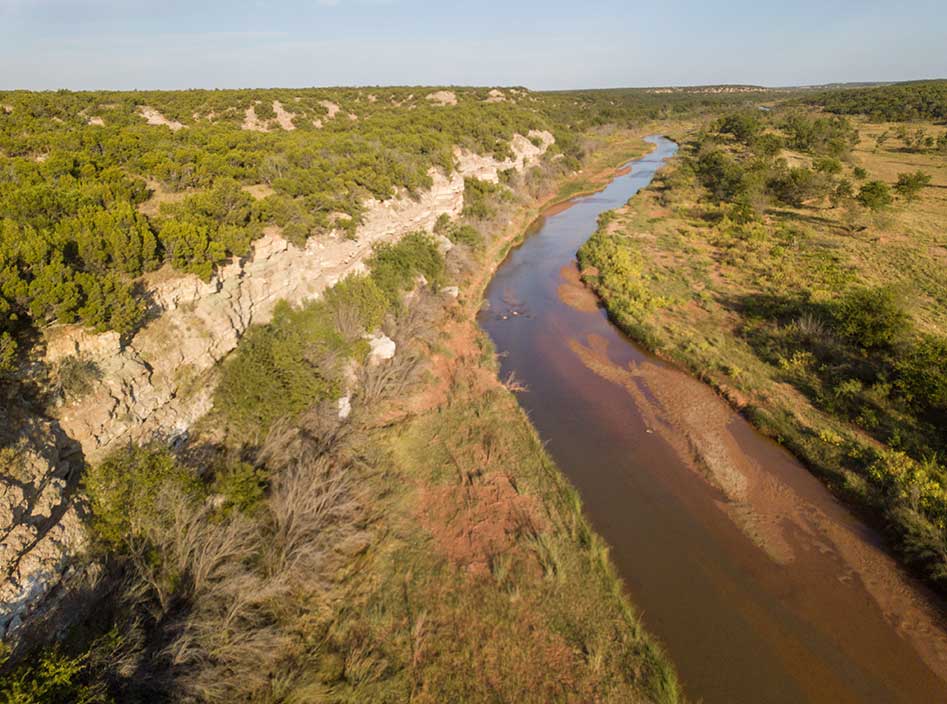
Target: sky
[551, 44]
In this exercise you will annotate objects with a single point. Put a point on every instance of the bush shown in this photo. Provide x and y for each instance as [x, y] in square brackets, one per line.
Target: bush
[467, 235]
[910, 185]
[721, 175]
[110, 303]
[871, 317]
[358, 303]
[920, 485]
[828, 165]
[395, 267]
[479, 198]
[242, 486]
[124, 488]
[875, 195]
[76, 375]
[8, 349]
[820, 135]
[922, 372]
[189, 248]
[52, 678]
[742, 126]
[281, 368]
[797, 185]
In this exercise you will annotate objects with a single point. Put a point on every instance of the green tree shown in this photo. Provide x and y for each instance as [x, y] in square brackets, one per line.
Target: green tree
[189, 247]
[909, 185]
[922, 372]
[875, 195]
[871, 317]
[742, 126]
[7, 353]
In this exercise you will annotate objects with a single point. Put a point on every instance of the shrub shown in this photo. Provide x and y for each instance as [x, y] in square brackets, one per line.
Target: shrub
[875, 195]
[871, 317]
[829, 136]
[797, 185]
[8, 349]
[479, 198]
[922, 372]
[76, 375]
[742, 126]
[395, 267]
[467, 235]
[721, 175]
[281, 368]
[910, 185]
[920, 485]
[123, 490]
[52, 678]
[242, 486]
[358, 303]
[442, 225]
[189, 247]
[828, 165]
[110, 303]
[843, 192]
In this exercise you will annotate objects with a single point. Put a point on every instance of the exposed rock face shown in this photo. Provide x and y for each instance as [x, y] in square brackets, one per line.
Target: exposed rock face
[156, 118]
[283, 119]
[443, 97]
[39, 523]
[160, 382]
[381, 348]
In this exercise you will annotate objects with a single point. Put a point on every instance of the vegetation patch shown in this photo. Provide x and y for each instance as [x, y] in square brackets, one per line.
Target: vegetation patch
[819, 305]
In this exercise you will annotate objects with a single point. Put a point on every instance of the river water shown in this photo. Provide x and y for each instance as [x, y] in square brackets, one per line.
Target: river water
[762, 587]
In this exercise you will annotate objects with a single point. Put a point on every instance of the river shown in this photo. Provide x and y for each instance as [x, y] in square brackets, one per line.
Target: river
[762, 587]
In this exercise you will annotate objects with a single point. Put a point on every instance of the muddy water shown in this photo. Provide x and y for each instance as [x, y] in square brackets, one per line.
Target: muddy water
[762, 587]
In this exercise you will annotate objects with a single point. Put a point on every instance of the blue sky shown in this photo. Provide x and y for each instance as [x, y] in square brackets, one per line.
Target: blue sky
[126, 44]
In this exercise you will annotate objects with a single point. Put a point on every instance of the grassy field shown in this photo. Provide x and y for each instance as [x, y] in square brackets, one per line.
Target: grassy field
[488, 584]
[756, 306]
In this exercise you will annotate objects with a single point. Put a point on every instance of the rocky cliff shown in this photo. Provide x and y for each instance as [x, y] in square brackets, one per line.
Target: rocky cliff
[156, 385]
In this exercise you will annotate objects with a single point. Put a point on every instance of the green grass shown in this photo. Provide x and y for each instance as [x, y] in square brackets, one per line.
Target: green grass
[542, 618]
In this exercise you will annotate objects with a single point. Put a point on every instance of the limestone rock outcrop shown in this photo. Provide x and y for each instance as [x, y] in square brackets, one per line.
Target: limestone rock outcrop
[161, 381]
[39, 524]
[156, 385]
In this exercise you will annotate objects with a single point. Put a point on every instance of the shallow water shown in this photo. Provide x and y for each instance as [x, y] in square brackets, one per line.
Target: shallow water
[762, 587]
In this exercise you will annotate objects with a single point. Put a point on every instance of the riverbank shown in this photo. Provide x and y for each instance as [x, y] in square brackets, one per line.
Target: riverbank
[743, 564]
[703, 297]
[471, 470]
[749, 310]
